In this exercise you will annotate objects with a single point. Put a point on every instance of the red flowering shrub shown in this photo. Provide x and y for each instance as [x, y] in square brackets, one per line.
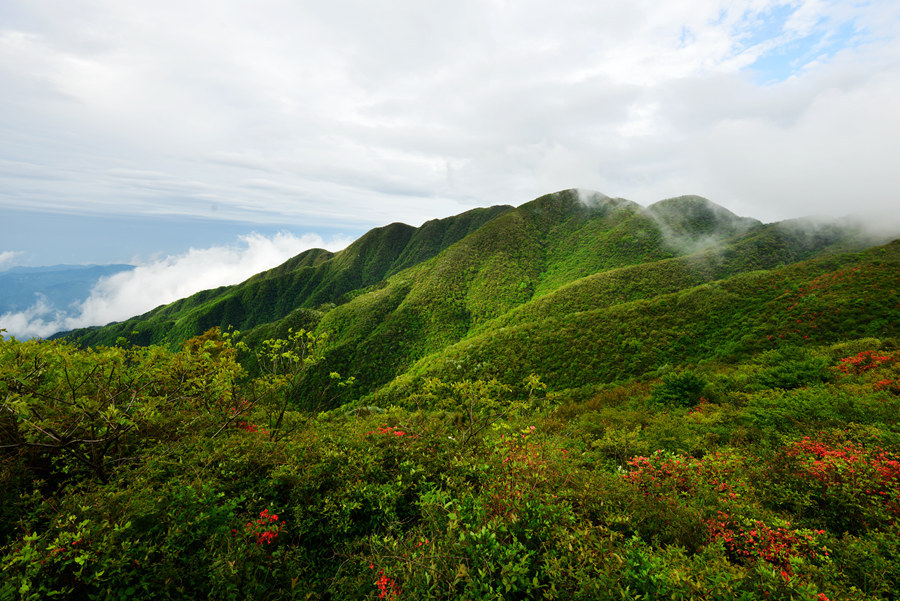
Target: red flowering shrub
[700, 407]
[389, 431]
[525, 470]
[663, 475]
[892, 386]
[248, 427]
[265, 529]
[387, 586]
[862, 362]
[875, 471]
[717, 478]
[753, 540]
[851, 486]
[679, 492]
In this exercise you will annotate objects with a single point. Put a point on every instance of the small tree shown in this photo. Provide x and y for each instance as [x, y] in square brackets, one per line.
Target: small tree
[679, 390]
[475, 404]
[90, 405]
[82, 405]
[283, 362]
[537, 392]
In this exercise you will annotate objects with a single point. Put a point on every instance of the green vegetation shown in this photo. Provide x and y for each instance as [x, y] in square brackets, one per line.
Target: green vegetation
[574, 399]
[310, 280]
[144, 471]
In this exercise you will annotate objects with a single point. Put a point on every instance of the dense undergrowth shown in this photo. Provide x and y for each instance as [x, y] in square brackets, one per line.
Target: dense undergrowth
[146, 472]
[574, 399]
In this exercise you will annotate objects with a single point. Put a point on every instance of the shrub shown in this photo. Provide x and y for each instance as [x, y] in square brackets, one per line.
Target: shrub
[679, 390]
[844, 485]
[795, 373]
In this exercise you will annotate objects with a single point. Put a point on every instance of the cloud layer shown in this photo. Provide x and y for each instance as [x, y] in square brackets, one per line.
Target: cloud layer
[365, 113]
[163, 281]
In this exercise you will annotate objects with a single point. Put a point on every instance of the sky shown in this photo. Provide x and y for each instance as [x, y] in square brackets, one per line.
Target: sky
[142, 132]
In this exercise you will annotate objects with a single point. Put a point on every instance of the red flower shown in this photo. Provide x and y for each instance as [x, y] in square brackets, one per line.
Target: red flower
[262, 528]
[388, 589]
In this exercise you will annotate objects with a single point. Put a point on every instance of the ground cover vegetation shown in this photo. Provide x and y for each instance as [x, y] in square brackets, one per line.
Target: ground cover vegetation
[575, 399]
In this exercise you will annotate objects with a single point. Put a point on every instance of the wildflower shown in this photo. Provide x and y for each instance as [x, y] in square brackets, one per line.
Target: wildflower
[261, 529]
[388, 589]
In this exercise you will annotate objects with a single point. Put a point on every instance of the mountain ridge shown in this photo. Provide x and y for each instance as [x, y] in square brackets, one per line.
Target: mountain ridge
[400, 294]
[312, 278]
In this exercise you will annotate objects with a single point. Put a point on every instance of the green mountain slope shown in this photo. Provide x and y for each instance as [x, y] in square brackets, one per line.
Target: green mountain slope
[542, 244]
[815, 302]
[693, 220]
[551, 257]
[312, 278]
[766, 247]
[436, 295]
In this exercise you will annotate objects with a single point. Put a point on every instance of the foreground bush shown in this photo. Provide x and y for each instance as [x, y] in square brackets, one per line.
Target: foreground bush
[215, 487]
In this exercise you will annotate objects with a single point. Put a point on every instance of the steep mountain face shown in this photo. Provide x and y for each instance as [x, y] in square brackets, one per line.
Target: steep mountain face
[554, 256]
[435, 235]
[551, 258]
[559, 286]
[542, 244]
[311, 279]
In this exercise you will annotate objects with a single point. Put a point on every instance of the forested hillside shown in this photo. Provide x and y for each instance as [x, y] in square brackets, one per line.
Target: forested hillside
[577, 398]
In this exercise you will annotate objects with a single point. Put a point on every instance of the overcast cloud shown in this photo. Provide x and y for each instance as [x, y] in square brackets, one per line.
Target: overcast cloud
[347, 115]
[366, 113]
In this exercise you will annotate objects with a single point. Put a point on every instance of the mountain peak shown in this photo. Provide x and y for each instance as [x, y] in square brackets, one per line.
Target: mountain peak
[697, 220]
[576, 201]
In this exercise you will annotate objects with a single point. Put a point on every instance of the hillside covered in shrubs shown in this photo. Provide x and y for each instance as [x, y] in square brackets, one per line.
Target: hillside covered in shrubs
[578, 398]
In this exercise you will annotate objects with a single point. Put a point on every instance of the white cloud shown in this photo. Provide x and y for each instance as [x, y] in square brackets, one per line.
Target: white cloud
[161, 281]
[39, 320]
[7, 256]
[362, 113]
[837, 157]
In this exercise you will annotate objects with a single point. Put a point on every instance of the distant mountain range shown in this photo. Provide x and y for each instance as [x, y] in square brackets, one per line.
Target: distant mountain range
[59, 285]
[574, 286]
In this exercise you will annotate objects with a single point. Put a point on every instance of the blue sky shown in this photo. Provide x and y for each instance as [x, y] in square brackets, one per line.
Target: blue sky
[788, 50]
[140, 132]
[102, 239]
